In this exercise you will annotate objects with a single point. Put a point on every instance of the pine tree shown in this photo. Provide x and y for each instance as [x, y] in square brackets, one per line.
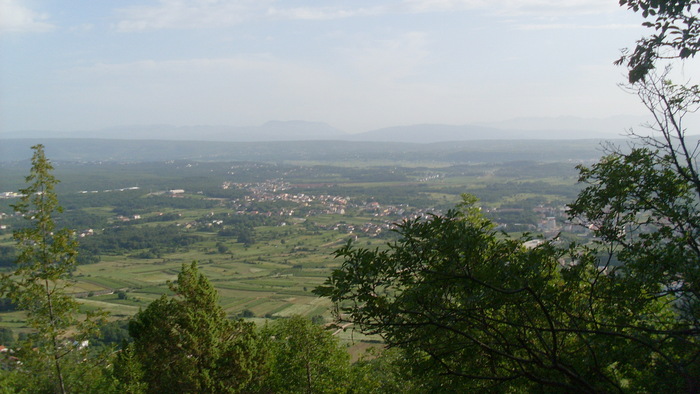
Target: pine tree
[127, 374]
[53, 355]
[186, 343]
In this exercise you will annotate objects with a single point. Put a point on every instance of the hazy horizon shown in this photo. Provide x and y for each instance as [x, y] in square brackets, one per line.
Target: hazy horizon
[561, 128]
[520, 123]
[85, 65]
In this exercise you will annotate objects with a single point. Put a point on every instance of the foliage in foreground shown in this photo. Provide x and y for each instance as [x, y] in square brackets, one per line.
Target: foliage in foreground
[304, 357]
[476, 310]
[473, 309]
[645, 208]
[186, 343]
[54, 357]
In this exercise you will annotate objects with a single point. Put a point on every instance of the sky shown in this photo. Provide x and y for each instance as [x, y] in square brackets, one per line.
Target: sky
[357, 65]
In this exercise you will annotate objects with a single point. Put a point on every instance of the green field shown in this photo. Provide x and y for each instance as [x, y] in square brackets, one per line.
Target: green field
[292, 217]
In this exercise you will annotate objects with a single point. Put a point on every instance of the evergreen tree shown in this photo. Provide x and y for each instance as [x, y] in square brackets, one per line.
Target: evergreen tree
[53, 358]
[186, 343]
[128, 375]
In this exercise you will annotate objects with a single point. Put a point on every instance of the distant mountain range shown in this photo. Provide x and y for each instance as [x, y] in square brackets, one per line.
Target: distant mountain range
[526, 128]
[430, 133]
[459, 152]
[270, 131]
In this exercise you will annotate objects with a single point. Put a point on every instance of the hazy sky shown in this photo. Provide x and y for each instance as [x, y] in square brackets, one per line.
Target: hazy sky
[357, 65]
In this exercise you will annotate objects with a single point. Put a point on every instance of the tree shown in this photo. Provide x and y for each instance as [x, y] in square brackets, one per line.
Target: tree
[676, 34]
[474, 309]
[186, 343]
[128, 374]
[54, 355]
[383, 371]
[644, 207]
[644, 202]
[305, 358]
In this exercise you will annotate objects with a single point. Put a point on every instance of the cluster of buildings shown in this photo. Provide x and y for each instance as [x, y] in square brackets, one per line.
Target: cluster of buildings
[275, 191]
[308, 205]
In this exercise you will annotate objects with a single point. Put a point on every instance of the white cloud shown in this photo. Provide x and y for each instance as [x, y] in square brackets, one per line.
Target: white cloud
[558, 7]
[322, 13]
[189, 14]
[17, 18]
[573, 26]
[444, 5]
[186, 14]
[514, 7]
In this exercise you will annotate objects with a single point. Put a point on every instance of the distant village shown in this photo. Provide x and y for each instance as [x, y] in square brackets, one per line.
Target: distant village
[388, 215]
[550, 218]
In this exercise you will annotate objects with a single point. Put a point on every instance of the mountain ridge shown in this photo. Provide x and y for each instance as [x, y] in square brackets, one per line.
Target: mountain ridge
[298, 130]
[478, 151]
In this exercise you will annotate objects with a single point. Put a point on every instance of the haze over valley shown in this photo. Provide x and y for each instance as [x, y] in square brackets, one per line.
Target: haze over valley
[376, 196]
